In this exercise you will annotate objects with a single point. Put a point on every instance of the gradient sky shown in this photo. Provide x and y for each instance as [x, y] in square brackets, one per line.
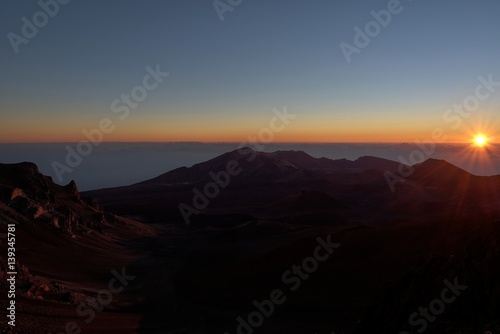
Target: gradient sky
[226, 77]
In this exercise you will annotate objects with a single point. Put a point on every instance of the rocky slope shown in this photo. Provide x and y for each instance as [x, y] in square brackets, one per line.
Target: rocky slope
[65, 247]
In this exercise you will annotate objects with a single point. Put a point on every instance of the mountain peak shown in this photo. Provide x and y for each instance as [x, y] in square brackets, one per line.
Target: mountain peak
[436, 171]
[265, 167]
[439, 165]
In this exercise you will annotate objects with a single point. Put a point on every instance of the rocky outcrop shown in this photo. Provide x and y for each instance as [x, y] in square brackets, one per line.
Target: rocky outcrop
[37, 198]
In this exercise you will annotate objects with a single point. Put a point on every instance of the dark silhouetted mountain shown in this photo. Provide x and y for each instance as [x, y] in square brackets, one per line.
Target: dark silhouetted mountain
[436, 187]
[264, 178]
[262, 166]
[396, 248]
[309, 200]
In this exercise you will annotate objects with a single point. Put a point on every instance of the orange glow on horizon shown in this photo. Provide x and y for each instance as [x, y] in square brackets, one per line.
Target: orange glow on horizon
[231, 139]
[214, 130]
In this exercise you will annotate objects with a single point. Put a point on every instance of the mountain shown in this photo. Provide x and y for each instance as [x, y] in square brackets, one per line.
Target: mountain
[359, 190]
[438, 188]
[347, 254]
[265, 177]
[263, 166]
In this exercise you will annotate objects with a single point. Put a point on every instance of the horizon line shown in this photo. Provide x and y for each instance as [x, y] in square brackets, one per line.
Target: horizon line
[236, 142]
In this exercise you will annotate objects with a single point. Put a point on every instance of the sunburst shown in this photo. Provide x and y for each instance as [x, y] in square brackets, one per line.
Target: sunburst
[480, 140]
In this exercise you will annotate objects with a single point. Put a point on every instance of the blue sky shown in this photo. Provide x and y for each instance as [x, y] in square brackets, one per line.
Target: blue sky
[227, 76]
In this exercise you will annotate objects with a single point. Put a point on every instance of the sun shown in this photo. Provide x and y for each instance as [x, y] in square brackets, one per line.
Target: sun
[480, 140]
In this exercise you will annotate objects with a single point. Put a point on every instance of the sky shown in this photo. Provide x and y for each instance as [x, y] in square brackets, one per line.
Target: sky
[225, 77]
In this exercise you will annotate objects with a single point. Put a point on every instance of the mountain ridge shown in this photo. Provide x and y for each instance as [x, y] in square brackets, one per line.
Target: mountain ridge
[396, 248]
[271, 177]
[278, 161]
